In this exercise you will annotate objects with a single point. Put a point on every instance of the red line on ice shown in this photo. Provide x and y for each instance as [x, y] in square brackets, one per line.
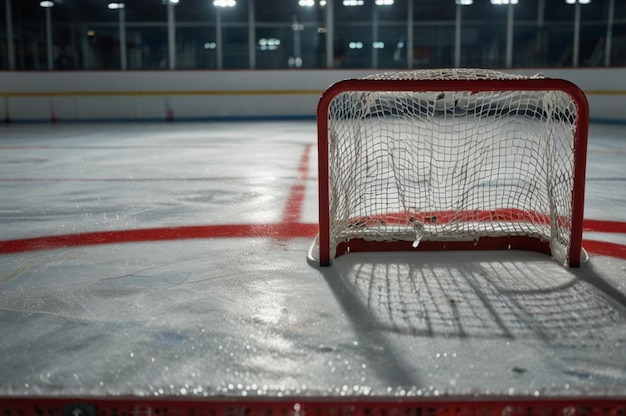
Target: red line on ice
[602, 226]
[603, 248]
[284, 230]
[293, 208]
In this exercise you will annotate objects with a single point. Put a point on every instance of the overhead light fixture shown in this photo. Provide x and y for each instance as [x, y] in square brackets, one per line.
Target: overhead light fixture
[306, 3]
[502, 2]
[352, 3]
[46, 4]
[384, 2]
[464, 2]
[578, 1]
[270, 44]
[224, 3]
[115, 6]
[295, 62]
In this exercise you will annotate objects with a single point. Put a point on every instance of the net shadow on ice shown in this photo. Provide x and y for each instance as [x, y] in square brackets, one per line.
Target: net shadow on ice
[523, 296]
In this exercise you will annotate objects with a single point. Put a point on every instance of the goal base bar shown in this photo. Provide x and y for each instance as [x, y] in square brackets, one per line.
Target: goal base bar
[357, 245]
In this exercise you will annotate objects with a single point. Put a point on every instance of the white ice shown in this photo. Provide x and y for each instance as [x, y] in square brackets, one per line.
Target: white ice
[249, 316]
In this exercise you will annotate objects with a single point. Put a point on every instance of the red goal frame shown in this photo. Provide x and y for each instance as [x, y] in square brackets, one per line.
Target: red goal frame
[449, 85]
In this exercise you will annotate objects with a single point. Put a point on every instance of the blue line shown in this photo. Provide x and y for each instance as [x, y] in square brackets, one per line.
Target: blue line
[296, 117]
[599, 120]
[284, 117]
[252, 118]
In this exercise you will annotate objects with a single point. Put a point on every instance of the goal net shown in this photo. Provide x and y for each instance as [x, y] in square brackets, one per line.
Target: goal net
[451, 159]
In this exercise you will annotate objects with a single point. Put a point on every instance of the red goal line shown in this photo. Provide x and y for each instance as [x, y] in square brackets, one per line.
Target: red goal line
[283, 231]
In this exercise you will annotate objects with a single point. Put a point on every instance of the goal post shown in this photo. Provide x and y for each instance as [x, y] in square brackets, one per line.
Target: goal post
[451, 159]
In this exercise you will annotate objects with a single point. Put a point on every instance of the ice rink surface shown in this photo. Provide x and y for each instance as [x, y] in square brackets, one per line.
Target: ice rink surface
[170, 260]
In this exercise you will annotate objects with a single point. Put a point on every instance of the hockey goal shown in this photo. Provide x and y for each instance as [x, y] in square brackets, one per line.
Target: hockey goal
[451, 159]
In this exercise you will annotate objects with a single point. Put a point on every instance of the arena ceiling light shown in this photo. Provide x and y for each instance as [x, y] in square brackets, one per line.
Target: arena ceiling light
[306, 3]
[464, 2]
[270, 44]
[352, 3]
[501, 2]
[115, 6]
[46, 4]
[578, 1]
[224, 3]
[384, 2]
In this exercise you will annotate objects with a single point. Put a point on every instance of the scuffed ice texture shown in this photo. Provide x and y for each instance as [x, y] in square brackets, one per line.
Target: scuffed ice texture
[248, 317]
[253, 320]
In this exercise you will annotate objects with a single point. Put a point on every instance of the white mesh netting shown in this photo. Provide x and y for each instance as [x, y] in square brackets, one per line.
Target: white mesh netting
[451, 166]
